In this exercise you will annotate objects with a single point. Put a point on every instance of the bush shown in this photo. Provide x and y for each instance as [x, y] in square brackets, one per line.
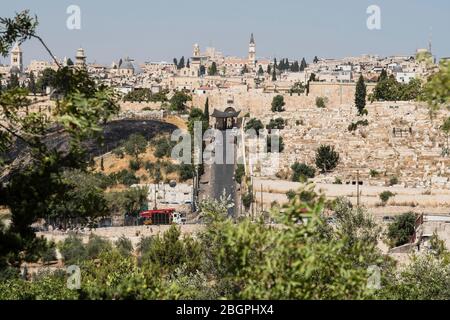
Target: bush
[278, 104]
[125, 177]
[239, 173]
[118, 152]
[326, 158]
[134, 165]
[247, 200]
[302, 172]
[96, 246]
[186, 172]
[49, 254]
[163, 148]
[291, 194]
[254, 124]
[401, 229]
[278, 149]
[385, 196]
[374, 173]
[321, 102]
[393, 181]
[124, 246]
[73, 250]
[337, 180]
[277, 123]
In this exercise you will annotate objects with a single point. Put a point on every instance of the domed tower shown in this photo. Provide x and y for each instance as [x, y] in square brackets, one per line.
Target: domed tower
[17, 58]
[252, 51]
[80, 59]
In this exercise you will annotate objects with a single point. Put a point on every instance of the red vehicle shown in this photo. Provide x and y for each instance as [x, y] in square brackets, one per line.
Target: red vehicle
[158, 216]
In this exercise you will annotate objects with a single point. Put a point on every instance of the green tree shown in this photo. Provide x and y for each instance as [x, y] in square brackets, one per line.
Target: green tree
[254, 124]
[135, 145]
[303, 65]
[260, 71]
[385, 196]
[178, 101]
[436, 90]
[278, 104]
[326, 158]
[360, 95]
[13, 82]
[206, 112]
[302, 172]
[401, 229]
[32, 84]
[212, 70]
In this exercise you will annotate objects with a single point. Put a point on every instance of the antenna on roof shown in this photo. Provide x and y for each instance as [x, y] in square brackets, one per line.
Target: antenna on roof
[430, 40]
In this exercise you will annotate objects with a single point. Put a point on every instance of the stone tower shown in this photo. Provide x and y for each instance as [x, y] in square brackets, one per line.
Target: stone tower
[252, 51]
[80, 59]
[17, 58]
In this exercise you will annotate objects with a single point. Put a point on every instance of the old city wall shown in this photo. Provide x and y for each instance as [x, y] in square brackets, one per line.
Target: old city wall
[257, 103]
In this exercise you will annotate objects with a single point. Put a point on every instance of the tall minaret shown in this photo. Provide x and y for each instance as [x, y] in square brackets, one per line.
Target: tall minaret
[80, 59]
[252, 52]
[17, 57]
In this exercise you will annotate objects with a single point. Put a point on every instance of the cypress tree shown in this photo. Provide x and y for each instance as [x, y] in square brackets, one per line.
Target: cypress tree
[360, 95]
[206, 112]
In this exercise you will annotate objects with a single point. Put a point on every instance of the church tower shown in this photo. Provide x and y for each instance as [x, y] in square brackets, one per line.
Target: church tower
[17, 58]
[80, 59]
[252, 52]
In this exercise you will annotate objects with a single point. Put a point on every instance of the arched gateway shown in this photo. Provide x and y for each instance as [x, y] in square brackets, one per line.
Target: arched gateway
[225, 119]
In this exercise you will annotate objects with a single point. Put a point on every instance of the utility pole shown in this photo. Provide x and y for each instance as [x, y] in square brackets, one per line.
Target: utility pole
[357, 188]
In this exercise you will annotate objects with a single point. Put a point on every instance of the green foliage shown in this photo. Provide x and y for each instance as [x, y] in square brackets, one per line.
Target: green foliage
[373, 173]
[135, 145]
[360, 95]
[96, 245]
[385, 196]
[321, 102]
[278, 104]
[134, 165]
[247, 199]
[239, 173]
[326, 158]
[436, 90]
[426, 277]
[353, 126]
[212, 70]
[145, 95]
[178, 101]
[291, 194]
[393, 181]
[163, 147]
[124, 177]
[297, 88]
[186, 172]
[73, 250]
[254, 124]
[401, 229]
[388, 89]
[124, 246]
[197, 115]
[302, 172]
[277, 123]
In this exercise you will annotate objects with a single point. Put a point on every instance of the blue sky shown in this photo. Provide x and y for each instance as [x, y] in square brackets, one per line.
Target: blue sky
[162, 29]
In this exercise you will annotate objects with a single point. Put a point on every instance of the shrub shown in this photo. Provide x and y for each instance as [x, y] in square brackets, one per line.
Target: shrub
[96, 246]
[118, 152]
[291, 194]
[277, 123]
[385, 196]
[401, 229]
[239, 173]
[247, 199]
[326, 158]
[124, 246]
[321, 102]
[134, 165]
[49, 254]
[73, 250]
[254, 124]
[374, 173]
[278, 104]
[163, 148]
[393, 181]
[301, 172]
[186, 172]
[337, 180]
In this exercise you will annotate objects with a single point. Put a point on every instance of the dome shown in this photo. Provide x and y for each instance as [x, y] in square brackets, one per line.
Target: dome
[127, 64]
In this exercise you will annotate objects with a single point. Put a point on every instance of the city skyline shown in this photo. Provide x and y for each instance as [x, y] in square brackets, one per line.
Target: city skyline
[292, 29]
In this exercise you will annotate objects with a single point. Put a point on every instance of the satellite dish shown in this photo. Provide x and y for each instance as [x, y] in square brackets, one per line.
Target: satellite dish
[172, 183]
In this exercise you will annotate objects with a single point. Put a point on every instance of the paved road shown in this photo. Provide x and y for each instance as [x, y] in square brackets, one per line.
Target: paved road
[222, 179]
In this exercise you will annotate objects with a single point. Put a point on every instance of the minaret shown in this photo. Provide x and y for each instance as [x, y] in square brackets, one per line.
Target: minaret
[252, 52]
[17, 57]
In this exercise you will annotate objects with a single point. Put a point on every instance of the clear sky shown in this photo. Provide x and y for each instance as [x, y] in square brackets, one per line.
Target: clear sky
[162, 29]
